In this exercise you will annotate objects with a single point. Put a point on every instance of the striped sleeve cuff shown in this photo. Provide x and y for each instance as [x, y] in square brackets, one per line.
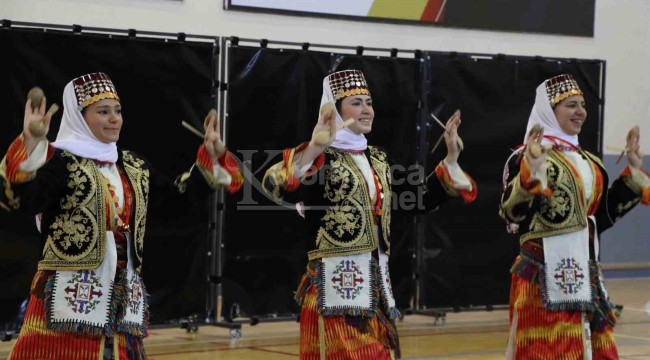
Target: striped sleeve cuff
[534, 184]
[457, 182]
[638, 180]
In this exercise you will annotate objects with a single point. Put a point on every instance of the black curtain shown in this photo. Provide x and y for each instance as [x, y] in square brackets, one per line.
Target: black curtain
[272, 98]
[160, 82]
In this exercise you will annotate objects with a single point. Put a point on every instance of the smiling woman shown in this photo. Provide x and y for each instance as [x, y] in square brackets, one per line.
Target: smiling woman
[359, 108]
[347, 190]
[104, 119]
[557, 197]
[571, 114]
[87, 299]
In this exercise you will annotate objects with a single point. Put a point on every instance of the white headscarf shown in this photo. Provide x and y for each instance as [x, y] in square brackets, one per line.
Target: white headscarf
[345, 139]
[75, 135]
[543, 115]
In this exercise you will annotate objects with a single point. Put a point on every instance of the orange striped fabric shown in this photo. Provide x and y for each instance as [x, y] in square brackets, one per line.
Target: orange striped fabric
[547, 335]
[645, 191]
[16, 154]
[36, 341]
[227, 161]
[342, 340]
[445, 178]
[533, 186]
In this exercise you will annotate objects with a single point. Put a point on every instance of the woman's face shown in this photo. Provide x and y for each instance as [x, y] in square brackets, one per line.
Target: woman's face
[571, 114]
[358, 107]
[104, 118]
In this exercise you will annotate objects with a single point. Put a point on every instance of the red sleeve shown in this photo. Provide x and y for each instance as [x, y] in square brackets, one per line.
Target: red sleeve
[16, 155]
[528, 183]
[645, 191]
[288, 156]
[226, 161]
[448, 183]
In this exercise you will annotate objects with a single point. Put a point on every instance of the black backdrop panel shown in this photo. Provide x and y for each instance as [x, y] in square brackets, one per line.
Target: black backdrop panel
[273, 101]
[273, 96]
[467, 252]
[160, 83]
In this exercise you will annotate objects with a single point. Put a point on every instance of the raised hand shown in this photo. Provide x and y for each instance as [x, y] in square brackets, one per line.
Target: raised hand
[535, 153]
[36, 122]
[212, 138]
[452, 140]
[634, 157]
[325, 129]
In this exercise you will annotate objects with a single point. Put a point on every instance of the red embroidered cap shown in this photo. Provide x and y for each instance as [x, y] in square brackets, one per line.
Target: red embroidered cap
[347, 83]
[561, 87]
[91, 88]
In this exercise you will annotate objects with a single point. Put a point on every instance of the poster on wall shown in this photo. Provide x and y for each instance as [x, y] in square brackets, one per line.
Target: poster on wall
[561, 17]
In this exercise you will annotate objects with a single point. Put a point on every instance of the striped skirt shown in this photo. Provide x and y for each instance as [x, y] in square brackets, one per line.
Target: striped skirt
[36, 341]
[343, 337]
[537, 333]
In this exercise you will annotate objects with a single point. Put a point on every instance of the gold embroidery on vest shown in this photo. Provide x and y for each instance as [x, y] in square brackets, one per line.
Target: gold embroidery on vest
[350, 214]
[139, 177]
[11, 202]
[80, 228]
[564, 211]
[382, 170]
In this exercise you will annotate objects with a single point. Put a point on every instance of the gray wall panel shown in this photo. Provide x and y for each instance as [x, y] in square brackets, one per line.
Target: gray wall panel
[628, 241]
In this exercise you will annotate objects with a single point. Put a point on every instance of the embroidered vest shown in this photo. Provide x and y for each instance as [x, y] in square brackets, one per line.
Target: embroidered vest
[566, 209]
[75, 232]
[347, 225]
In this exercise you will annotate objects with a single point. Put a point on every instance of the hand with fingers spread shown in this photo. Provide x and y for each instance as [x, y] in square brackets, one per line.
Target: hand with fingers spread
[212, 139]
[325, 129]
[322, 136]
[633, 147]
[535, 153]
[36, 124]
[452, 140]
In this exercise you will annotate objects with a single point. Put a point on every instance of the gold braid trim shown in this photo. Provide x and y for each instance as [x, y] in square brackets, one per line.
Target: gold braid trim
[207, 174]
[518, 195]
[138, 175]
[96, 98]
[347, 228]
[564, 211]
[10, 201]
[80, 223]
[565, 95]
[345, 93]
[274, 180]
[379, 161]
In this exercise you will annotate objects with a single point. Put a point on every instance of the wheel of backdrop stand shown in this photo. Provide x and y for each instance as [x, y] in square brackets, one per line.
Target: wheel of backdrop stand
[235, 334]
[440, 320]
